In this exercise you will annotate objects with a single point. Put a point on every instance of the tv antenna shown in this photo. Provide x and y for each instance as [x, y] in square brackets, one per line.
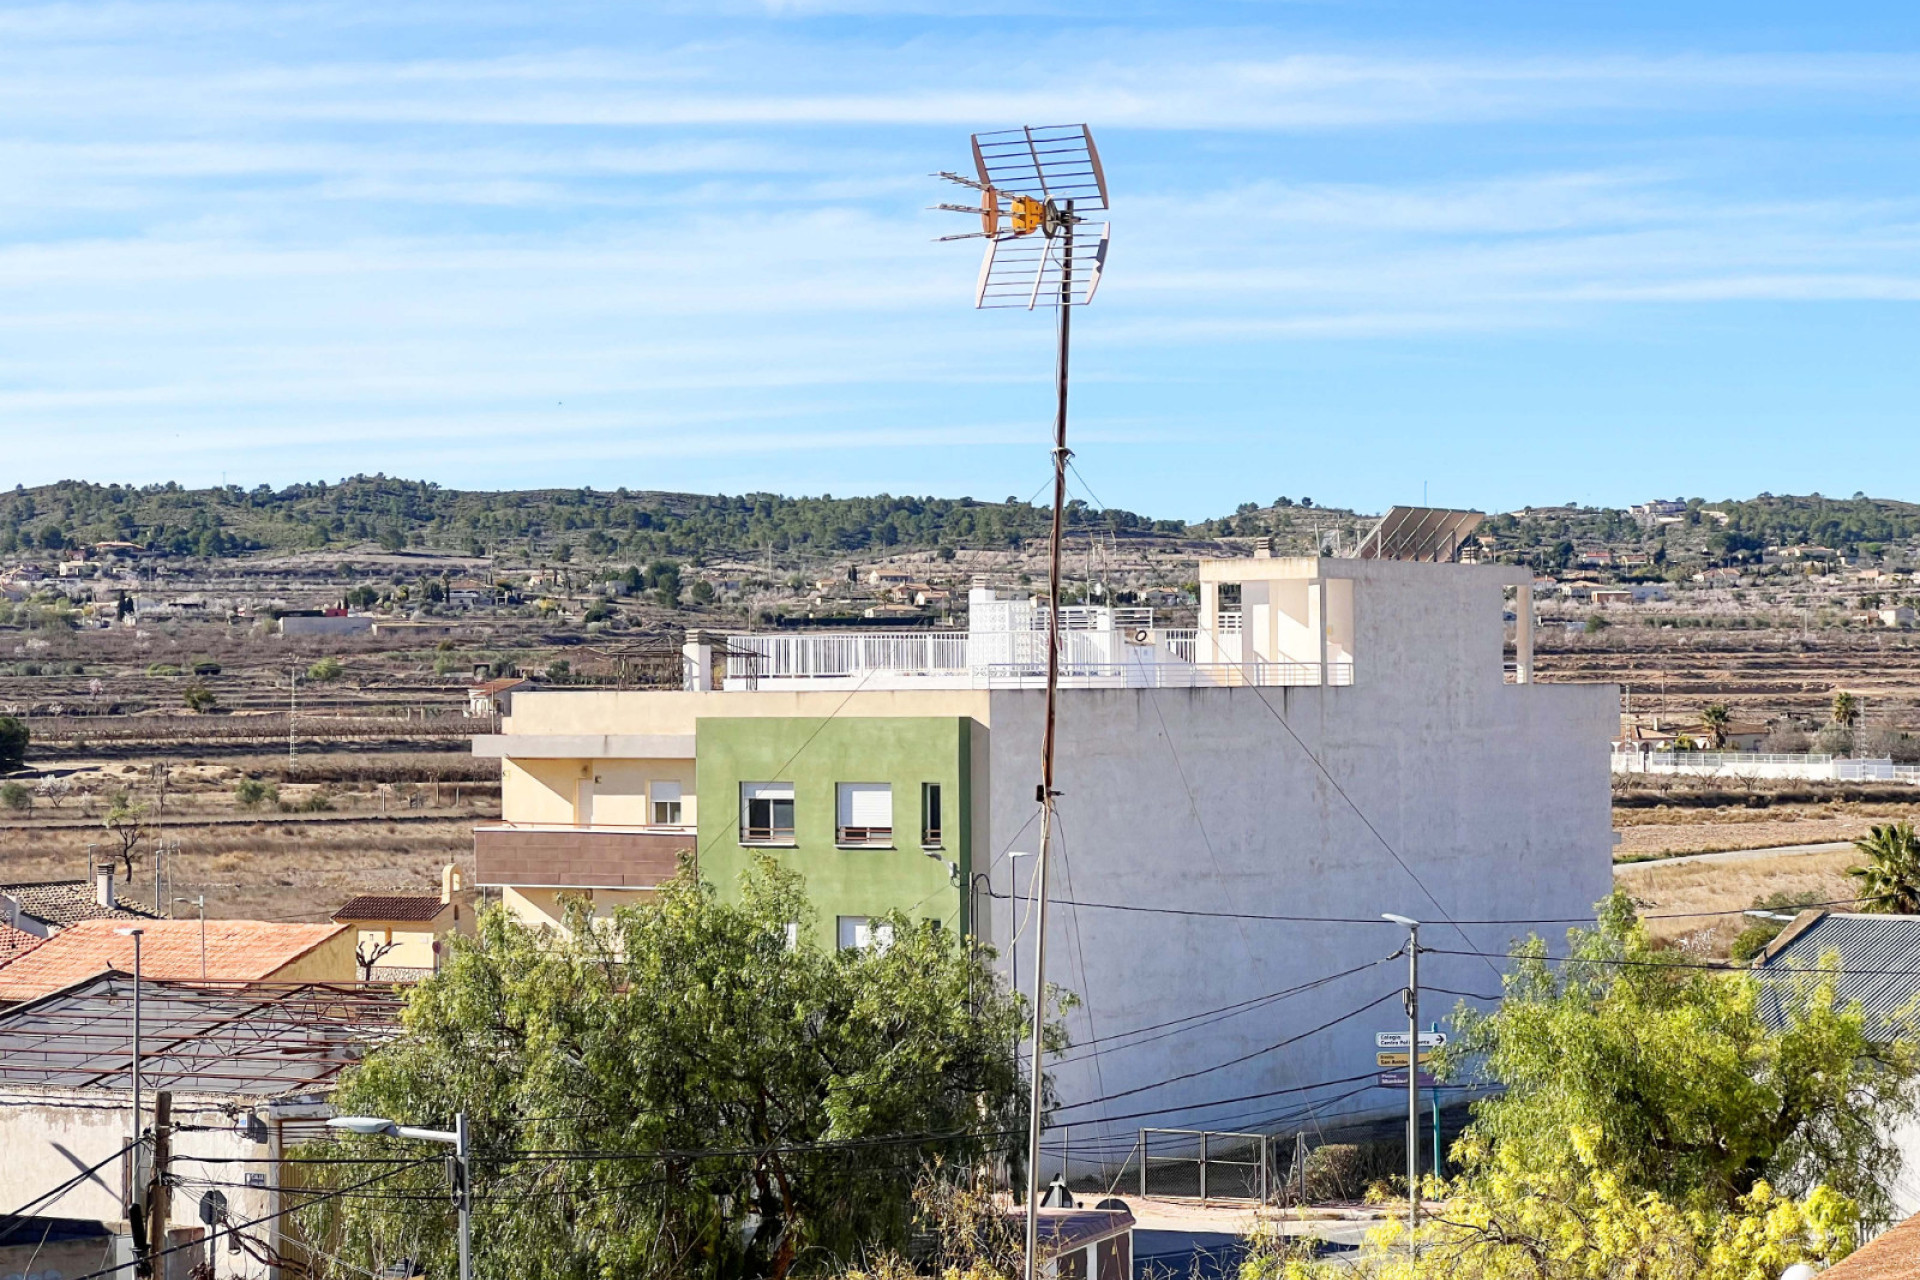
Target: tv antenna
[1033, 185]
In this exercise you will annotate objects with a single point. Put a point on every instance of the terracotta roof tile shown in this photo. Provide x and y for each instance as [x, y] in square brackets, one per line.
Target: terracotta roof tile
[65, 902]
[390, 906]
[1892, 1255]
[237, 951]
[16, 942]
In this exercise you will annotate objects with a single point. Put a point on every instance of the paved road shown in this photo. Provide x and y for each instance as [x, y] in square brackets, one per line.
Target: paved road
[1737, 855]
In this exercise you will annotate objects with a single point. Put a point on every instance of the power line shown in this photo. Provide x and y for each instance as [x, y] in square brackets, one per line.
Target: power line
[1232, 1062]
[1364, 820]
[318, 1197]
[1205, 1017]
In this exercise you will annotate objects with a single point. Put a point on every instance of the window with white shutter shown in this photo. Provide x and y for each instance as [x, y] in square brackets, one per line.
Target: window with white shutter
[865, 816]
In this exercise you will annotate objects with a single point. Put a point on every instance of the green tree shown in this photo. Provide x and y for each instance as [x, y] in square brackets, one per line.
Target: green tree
[1846, 709]
[702, 592]
[14, 738]
[251, 793]
[1715, 719]
[199, 698]
[126, 821]
[14, 795]
[752, 1104]
[1890, 878]
[1663, 1075]
[326, 669]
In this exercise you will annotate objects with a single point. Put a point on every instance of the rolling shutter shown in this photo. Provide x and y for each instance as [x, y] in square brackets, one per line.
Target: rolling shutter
[866, 804]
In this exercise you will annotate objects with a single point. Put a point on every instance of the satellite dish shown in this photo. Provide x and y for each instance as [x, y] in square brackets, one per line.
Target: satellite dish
[1114, 1204]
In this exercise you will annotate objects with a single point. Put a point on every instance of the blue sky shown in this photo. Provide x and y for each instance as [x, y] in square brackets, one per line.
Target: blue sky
[1499, 253]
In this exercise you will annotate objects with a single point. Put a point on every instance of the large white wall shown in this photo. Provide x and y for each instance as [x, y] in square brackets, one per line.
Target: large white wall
[1496, 796]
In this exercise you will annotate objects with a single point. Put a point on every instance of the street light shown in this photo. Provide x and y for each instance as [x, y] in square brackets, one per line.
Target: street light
[135, 934]
[463, 1182]
[1412, 927]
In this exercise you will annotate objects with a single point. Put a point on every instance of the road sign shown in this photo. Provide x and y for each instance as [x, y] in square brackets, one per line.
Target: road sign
[1398, 1059]
[1398, 1080]
[1398, 1040]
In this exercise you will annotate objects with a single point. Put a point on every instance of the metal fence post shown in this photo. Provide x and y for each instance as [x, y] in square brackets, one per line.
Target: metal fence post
[1143, 1162]
[1203, 1165]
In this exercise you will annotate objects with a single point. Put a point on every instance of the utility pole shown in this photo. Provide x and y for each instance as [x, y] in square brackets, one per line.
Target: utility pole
[1046, 792]
[134, 1065]
[1411, 997]
[293, 705]
[157, 1196]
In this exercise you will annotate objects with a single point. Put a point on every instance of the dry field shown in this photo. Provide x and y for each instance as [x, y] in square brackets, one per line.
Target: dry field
[265, 870]
[338, 824]
[1666, 891]
[1662, 832]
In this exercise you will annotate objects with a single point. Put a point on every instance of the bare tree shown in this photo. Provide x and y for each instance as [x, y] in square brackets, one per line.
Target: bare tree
[369, 953]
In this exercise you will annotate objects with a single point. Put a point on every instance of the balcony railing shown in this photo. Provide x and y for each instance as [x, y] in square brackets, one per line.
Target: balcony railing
[573, 856]
[766, 835]
[1176, 675]
[864, 837]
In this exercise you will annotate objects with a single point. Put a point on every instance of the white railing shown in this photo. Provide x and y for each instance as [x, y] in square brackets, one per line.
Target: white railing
[1183, 643]
[818, 656]
[1758, 764]
[1175, 675]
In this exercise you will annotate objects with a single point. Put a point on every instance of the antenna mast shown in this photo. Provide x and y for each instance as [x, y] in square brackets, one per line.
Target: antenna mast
[1036, 176]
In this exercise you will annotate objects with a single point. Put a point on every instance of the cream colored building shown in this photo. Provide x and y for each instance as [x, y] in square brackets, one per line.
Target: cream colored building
[399, 937]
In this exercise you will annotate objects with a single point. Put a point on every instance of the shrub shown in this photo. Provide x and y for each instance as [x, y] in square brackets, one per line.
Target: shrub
[163, 669]
[198, 698]
[1335, 1172]
[326, 669]
[16, 796]
[14, 738]
[251, 793]
[206, 667]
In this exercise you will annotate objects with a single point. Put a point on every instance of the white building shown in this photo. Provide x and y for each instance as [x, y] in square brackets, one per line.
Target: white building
[1238, 805]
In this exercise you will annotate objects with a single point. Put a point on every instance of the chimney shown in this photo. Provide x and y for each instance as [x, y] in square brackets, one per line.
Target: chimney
[103, 883]
[450, 883]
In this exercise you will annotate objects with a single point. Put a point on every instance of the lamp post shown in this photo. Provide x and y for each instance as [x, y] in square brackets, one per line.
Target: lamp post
[1413, 1073]
[458, 1140]
[135, 934]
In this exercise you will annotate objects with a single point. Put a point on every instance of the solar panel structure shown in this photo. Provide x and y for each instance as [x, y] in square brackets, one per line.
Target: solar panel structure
[243, 1039]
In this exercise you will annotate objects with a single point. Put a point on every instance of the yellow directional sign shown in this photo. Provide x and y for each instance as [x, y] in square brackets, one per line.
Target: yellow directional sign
[1399, 1059]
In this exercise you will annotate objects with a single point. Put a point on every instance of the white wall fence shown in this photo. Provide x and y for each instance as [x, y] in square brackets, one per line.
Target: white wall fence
[1751, 765]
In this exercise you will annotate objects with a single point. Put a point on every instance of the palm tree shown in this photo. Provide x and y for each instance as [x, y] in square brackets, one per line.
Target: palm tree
[1715, 719]
[1890, 880]
[1846, 709]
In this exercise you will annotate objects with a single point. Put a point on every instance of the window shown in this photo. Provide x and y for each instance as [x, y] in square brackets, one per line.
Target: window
[865, 814]
[766, 813]
[1228, 597]
[929, 815]
[666, 804]
[859, 933]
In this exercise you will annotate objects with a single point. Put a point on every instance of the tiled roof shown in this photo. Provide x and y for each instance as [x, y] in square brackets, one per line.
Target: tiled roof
[1892, 1255]
[64, 902]
[237, 951]
[16, 942]
[390, 906]
[1879, 958]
